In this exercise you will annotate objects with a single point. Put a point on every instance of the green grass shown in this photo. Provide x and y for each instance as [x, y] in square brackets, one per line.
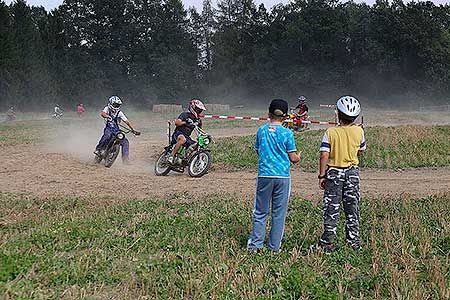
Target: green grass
[387, 148]
[174, 248]
[18, 133]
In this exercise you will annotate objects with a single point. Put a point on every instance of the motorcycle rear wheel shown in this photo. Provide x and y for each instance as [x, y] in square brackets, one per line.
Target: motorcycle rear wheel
[199, 164]
[112, 155]
[162, 165]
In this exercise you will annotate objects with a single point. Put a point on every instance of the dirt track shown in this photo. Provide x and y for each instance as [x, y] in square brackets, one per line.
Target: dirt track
[61, 164]
[37, 170]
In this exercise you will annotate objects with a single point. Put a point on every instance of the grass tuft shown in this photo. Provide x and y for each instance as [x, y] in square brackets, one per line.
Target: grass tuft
[387, 148]
[146, 249]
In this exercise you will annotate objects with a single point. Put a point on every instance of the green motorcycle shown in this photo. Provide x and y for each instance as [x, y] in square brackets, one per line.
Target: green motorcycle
[197, 157]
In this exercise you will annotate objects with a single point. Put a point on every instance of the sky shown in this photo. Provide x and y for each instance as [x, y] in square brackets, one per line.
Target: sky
[50, 4]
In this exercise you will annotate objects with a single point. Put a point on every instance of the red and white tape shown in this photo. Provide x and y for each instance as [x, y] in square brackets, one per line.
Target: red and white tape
[311, 122]
[265, 119]
[233, 118]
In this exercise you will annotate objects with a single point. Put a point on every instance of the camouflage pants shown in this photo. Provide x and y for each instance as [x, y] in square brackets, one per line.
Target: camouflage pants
[341, 184]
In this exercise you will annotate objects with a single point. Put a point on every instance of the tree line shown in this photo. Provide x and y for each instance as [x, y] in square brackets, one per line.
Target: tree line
[150, 51]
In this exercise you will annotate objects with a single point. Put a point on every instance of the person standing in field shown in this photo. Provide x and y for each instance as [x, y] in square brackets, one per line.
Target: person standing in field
[276, 149]
[81, 110]
[339, 174]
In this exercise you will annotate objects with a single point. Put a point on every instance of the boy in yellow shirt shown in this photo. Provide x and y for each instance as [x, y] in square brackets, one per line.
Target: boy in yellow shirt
[339, 174]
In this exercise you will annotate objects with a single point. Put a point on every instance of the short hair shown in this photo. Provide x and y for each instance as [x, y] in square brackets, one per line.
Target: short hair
[346, 119]
[276, 117]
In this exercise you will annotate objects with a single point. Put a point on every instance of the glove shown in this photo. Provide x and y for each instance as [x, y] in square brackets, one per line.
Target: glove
[136, 132]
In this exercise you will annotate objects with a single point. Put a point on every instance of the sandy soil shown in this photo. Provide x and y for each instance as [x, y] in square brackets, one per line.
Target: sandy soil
[62, 164]
[46, 171]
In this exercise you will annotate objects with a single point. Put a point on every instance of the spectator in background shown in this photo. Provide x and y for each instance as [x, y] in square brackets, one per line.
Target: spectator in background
[81, 110]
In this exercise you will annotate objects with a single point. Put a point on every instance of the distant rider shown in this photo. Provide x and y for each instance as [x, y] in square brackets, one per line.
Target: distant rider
[81, 110]
[58, 112]
[11, 114]
[185, 124]
[301, 106]
[113, 116]
[302, 114]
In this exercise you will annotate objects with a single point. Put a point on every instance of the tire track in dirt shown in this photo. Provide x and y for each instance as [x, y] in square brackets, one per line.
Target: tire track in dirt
[62, 164]
[30, 169]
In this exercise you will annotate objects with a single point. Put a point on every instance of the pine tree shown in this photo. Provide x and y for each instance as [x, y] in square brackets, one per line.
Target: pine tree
[8, 58]
[33, 74]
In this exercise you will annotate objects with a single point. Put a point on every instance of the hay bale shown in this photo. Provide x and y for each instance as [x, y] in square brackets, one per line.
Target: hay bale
[217, 107]
[167, 108]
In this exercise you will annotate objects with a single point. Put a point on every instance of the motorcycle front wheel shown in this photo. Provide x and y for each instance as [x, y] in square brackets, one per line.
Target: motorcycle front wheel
[162, 165]
[199, 164]
[112, 155]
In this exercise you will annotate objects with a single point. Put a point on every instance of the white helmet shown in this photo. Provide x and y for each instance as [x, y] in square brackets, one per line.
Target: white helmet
[196, 107]
[114, 103]
[349, 106]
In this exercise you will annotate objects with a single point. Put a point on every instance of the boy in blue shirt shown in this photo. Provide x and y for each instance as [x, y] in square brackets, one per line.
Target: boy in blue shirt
[276, 149]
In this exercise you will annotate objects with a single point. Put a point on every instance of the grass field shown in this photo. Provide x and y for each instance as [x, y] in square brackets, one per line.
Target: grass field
[19, 133]
[387, 148]
[178, 248]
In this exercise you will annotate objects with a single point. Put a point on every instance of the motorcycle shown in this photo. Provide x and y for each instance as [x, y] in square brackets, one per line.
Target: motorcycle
[294, 122]
[57, 115]
[196, 157]
[112, 149]
[11, 116]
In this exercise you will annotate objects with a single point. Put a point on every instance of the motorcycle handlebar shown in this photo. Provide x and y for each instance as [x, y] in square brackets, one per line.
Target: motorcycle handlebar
[127, 130]
[200, 130]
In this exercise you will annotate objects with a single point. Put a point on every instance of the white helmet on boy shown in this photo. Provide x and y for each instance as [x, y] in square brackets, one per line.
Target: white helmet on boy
[349, 106]
[114, 103]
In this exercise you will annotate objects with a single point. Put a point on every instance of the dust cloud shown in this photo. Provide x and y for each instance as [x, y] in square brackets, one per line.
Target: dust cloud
[73, 137]
[76, 138]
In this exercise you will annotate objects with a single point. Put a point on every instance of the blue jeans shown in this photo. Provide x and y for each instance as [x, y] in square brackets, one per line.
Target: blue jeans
[108, 133]
[275, 191]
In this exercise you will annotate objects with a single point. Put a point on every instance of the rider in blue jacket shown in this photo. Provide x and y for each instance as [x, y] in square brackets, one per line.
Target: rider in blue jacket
[113, 116]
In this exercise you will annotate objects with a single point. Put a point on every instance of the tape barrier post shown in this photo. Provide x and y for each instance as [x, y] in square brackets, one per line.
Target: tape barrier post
[329, 106]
